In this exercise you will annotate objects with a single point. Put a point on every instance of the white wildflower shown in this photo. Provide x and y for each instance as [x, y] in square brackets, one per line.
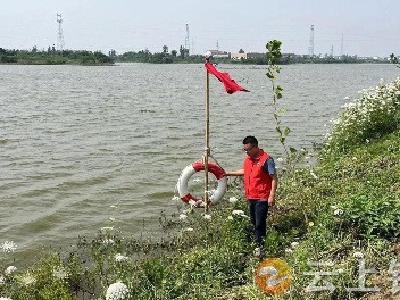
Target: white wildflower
[288, 250]
[8, 246]
[120, 258]
[60, 272]
[207, 217]
[354, 158]
[294, 244]
[175, 198]
[233, 199]
[117, 291]
[230, 218]
[27, 279]
[329, 263]
[338, 212]
[358, 254]
[311, 224]
[257, 253]
[280, 159]
[313, 174]
[2, 280]
[188, 229]
[10, 270]
[237, 212]
[2, 298]
[182, 217]
[107, 228]
[186, 211]
[108, 242]
[111, 219]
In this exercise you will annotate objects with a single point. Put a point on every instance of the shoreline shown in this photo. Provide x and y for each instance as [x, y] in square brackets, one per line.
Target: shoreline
[178, 63]
[324, 213]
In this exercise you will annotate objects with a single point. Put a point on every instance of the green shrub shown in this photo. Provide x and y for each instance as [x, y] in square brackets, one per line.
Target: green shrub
[375, 114]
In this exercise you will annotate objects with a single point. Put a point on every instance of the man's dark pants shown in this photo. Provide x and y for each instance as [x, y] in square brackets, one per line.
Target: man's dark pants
[258, 216]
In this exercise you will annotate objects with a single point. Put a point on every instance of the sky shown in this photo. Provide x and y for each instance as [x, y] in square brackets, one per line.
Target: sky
[369, 27]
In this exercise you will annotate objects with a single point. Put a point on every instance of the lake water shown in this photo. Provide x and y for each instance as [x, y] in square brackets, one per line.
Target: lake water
[76, 140]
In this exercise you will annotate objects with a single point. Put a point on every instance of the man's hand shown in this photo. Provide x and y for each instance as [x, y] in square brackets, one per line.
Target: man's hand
[239, 172]
[271, 198]
[271, 201]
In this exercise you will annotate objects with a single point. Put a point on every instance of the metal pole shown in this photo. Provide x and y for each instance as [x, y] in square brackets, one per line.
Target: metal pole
[207, 150]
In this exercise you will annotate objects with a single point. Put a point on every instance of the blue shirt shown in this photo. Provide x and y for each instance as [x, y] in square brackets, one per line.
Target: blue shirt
[269, 166]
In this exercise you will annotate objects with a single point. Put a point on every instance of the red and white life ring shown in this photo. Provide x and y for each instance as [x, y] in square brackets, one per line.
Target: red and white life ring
[182, 186]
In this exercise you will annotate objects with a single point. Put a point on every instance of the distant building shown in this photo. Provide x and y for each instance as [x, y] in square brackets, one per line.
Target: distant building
[241, 55]
[288, 55]
[185, 52]
[238, 56]
[251, 55]
[112, 53]
[219, 54]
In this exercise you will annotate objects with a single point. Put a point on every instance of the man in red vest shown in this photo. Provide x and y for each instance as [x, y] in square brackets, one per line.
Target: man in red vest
[260, 183]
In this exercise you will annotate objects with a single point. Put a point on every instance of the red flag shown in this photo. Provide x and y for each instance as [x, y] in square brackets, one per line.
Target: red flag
[230, 85]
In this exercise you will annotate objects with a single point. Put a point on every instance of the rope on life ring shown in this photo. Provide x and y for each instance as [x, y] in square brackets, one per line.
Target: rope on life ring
[182, 186]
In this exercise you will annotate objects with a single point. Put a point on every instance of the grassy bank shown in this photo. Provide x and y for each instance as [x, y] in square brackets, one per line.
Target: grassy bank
[341, 211]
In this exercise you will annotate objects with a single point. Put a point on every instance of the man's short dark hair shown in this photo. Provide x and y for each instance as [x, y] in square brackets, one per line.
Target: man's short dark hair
[250, 139]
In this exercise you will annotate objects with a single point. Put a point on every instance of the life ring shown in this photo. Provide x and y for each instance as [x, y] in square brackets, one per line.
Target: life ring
[182, 186]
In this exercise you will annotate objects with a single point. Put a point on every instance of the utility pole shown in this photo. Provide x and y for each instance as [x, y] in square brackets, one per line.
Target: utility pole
[311, 45]
[187, 40]
[60, 34]
[341, 46]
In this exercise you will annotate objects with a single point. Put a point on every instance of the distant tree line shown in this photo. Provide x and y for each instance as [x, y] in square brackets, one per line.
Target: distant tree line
[303, 59]
[84, 57]
[164, 57]
[145, 56]
[54, 57]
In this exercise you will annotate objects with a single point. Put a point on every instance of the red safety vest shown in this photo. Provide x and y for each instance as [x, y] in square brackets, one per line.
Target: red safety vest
[257, 182]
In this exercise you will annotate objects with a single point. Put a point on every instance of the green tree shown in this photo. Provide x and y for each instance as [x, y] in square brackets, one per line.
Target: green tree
[394, 59]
